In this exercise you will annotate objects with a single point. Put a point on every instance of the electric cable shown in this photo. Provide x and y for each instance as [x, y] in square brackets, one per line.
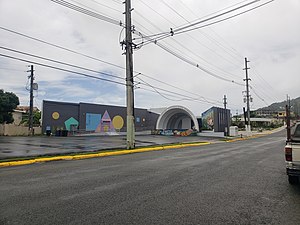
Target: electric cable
[188, 98]
[188, 29]
[181, 89]
[221, 20]
[106, 6]
[59, 62]
[60, 47]
[88, 12]
[61, 69]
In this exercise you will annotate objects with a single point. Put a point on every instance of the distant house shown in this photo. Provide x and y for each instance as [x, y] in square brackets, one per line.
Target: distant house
[18, 116]
[281, 114]
[21, 113]
[26, 109]
[17, 127]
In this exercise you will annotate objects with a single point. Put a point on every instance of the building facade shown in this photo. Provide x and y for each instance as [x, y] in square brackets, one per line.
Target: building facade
[86, 117]
[216, 119]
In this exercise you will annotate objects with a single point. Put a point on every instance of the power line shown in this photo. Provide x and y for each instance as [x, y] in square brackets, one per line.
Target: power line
[116, 1]
[60, 47]
[175, 11]
[197, 65]
[166, 34]
[181, 89]
[258, 95]
[88, 12]
[61, 69]
[189, 61]
[187, 28]
[59, 62]
[184, 27]
[184, 47]
[196, 40]
[185, 97]
[194, 64]
[106, 6]
[221, 20]
[63, 48]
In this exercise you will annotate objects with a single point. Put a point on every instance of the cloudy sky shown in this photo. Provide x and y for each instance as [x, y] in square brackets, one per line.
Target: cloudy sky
[269, 36]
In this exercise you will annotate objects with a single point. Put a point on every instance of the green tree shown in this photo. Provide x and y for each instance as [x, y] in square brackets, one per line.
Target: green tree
[36, 118]
[8, 102]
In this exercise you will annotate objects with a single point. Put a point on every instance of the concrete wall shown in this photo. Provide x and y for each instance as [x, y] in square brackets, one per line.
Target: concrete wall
[14, 130]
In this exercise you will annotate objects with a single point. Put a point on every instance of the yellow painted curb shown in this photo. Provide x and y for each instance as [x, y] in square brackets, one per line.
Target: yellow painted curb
[96, 155]
[117, 152]
[5, 164]
[237, 139]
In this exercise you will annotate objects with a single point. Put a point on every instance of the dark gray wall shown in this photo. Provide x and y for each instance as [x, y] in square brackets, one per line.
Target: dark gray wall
[221, 118]
[65, 110]
[147, 120]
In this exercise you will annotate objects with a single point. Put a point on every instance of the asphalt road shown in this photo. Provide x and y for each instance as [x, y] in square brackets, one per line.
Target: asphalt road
[242, 182]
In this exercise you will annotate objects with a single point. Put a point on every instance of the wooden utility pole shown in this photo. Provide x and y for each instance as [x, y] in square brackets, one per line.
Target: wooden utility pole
[30, 127]
[129, 77]
[247, 91]
[288, 119]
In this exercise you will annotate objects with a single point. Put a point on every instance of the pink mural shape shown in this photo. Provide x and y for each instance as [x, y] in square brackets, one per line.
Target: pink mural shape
[105, 124]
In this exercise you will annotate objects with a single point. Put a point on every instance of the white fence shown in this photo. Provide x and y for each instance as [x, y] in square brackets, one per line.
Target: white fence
[14, 130]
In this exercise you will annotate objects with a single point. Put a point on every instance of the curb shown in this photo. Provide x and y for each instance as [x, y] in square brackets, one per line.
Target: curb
[119, 152]
[97, 155]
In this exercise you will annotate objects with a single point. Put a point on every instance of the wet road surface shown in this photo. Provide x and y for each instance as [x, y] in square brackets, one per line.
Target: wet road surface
[41, 145]
[242, 182]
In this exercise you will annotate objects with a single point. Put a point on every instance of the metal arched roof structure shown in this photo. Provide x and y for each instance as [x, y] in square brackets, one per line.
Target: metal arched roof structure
[177, 117]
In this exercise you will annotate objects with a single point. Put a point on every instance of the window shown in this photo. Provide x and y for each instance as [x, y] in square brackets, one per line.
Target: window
[297, 131]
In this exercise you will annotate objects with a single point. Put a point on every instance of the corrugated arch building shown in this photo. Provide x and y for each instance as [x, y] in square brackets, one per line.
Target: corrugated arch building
[177, 117]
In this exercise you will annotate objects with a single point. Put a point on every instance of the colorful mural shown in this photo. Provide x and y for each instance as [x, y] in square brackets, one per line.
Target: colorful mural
[105, 124]
[118, 122]
[55, 115]
[92, 121]
[170, 132]
[71, 124]
[208, 119]
[99, 123]
[90, 118]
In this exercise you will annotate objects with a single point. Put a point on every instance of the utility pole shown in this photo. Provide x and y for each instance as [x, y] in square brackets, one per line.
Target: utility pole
[225, 101]
[247, 93]
[288, 118]
[30, 127]
[226, 116]
[129, 77]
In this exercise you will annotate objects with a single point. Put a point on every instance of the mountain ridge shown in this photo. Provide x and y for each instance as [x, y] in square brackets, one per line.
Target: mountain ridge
[280, 106]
